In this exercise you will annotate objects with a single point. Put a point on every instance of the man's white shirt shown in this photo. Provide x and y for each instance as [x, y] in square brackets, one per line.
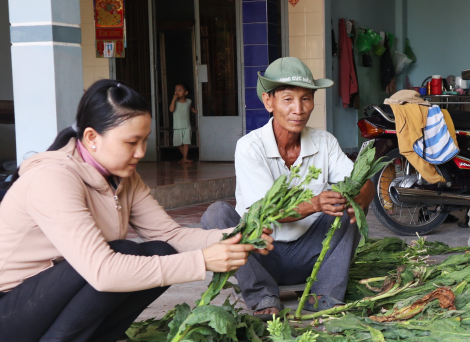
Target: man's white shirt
[258, 164]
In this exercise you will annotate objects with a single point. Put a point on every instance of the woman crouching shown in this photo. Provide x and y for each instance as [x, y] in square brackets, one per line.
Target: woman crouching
[66, 272]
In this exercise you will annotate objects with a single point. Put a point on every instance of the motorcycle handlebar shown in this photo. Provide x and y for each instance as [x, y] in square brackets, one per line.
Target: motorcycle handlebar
[379, 110]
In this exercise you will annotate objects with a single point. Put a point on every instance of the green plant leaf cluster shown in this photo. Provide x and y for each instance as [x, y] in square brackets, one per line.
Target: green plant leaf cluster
[391, 286]
[280, 330]
[364, 168]
[280, 201]
[206, 323]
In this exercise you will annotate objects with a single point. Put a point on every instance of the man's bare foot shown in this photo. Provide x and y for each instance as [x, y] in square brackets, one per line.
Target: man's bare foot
[311, 300]
[268, 311]
[188, 161]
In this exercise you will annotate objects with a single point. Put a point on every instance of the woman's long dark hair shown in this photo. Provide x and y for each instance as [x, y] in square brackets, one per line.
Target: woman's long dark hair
[105, 105]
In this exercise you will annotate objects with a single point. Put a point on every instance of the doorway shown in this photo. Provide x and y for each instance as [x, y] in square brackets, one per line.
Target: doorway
[198, 45]
[220, 80]
[175, 64]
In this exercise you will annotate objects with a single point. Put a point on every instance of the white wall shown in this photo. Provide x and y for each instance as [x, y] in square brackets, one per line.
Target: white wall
[7, 132]
[307, 42]
[94, 68]
[438, 35]
[379, 16]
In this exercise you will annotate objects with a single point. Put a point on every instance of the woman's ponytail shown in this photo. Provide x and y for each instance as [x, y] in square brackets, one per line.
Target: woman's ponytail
[63, 138]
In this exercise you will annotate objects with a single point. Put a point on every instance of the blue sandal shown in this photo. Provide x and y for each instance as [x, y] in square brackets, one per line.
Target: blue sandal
[324, 303]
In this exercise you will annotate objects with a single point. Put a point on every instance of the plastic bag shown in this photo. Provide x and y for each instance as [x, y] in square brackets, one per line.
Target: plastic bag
[409, 51]
[363, 42]
[400, 61]
[374, 37]
[379, 50]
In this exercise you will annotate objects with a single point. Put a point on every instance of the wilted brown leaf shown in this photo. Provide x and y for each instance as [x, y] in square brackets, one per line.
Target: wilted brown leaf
[446, 301]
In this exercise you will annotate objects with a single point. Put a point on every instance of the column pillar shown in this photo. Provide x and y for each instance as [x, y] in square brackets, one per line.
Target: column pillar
[47, 70]
[260, 42]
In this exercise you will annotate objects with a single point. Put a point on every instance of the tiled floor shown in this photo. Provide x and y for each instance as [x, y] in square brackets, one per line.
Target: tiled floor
[167, 173]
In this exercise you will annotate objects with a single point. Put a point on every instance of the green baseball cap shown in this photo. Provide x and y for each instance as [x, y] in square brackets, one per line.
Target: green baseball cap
[288, 71]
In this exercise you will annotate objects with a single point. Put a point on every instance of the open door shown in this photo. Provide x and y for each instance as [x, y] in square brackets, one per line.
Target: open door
[220, 116]
[177, 60]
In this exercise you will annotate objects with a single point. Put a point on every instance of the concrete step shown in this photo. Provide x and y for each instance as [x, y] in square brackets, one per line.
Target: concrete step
[176, 185]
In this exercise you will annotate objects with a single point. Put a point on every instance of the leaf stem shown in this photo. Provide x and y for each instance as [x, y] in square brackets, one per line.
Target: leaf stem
[179, 336]
[326, 246]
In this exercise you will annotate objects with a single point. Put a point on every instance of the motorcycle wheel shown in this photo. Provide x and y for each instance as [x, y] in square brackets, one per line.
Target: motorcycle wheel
[401, 218]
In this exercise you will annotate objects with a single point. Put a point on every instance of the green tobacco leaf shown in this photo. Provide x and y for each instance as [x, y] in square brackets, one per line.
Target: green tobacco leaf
[376, 167]
[182, 312]
[366, 150]
[150, 334]
[360, 169]
[258, 243]
[360, 218]
[229, 285]
[449, 330]
[215, 316]
[348, 322]
[200, 330]
[376, 335]
[276, 188]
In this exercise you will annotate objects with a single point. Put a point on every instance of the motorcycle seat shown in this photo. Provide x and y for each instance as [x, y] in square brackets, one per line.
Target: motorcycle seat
[461, 120]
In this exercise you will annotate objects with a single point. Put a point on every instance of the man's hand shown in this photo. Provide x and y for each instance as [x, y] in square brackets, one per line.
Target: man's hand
[266, 236]
[364, 198]
[329, 202]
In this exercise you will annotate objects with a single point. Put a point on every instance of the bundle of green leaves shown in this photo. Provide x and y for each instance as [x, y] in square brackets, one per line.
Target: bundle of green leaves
[417, 303]
[364, 168]
[280, 201]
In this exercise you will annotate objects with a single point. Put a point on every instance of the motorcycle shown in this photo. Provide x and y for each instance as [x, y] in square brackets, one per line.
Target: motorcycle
[405, 202]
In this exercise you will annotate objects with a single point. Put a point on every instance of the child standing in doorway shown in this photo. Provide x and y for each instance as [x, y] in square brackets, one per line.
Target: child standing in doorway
[180, 107]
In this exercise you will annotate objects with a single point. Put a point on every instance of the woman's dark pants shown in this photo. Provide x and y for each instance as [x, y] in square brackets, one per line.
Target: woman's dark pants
[59, 305]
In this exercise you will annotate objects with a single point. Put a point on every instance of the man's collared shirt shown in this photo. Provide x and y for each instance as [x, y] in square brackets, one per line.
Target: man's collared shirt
[258, 164]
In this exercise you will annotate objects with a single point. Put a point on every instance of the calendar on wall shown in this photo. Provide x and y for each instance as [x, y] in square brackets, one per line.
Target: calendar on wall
[110, 28]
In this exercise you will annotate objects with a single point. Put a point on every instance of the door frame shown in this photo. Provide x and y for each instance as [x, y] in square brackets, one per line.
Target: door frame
[240, 65]
[155, 140]
[240, 58]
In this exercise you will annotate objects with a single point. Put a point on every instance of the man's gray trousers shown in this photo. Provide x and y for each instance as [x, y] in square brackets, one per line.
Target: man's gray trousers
[291, 263]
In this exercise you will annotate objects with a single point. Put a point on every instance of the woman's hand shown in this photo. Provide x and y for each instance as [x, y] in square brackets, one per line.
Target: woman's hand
[228, 255]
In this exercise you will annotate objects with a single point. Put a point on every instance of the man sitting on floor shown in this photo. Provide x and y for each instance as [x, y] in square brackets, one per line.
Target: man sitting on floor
[287, 90]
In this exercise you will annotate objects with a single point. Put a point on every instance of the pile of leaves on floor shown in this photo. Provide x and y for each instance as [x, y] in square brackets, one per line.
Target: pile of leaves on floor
[395, 293]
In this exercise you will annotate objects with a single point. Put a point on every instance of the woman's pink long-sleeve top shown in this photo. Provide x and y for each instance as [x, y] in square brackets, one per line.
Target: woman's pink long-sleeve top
[62, 208]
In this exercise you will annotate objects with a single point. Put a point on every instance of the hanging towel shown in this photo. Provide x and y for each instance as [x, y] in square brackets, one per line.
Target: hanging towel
[347, 75]
[438, 145]
[410, 120]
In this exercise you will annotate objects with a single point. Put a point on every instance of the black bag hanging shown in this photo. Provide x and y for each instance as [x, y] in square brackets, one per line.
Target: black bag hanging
[366, 60]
